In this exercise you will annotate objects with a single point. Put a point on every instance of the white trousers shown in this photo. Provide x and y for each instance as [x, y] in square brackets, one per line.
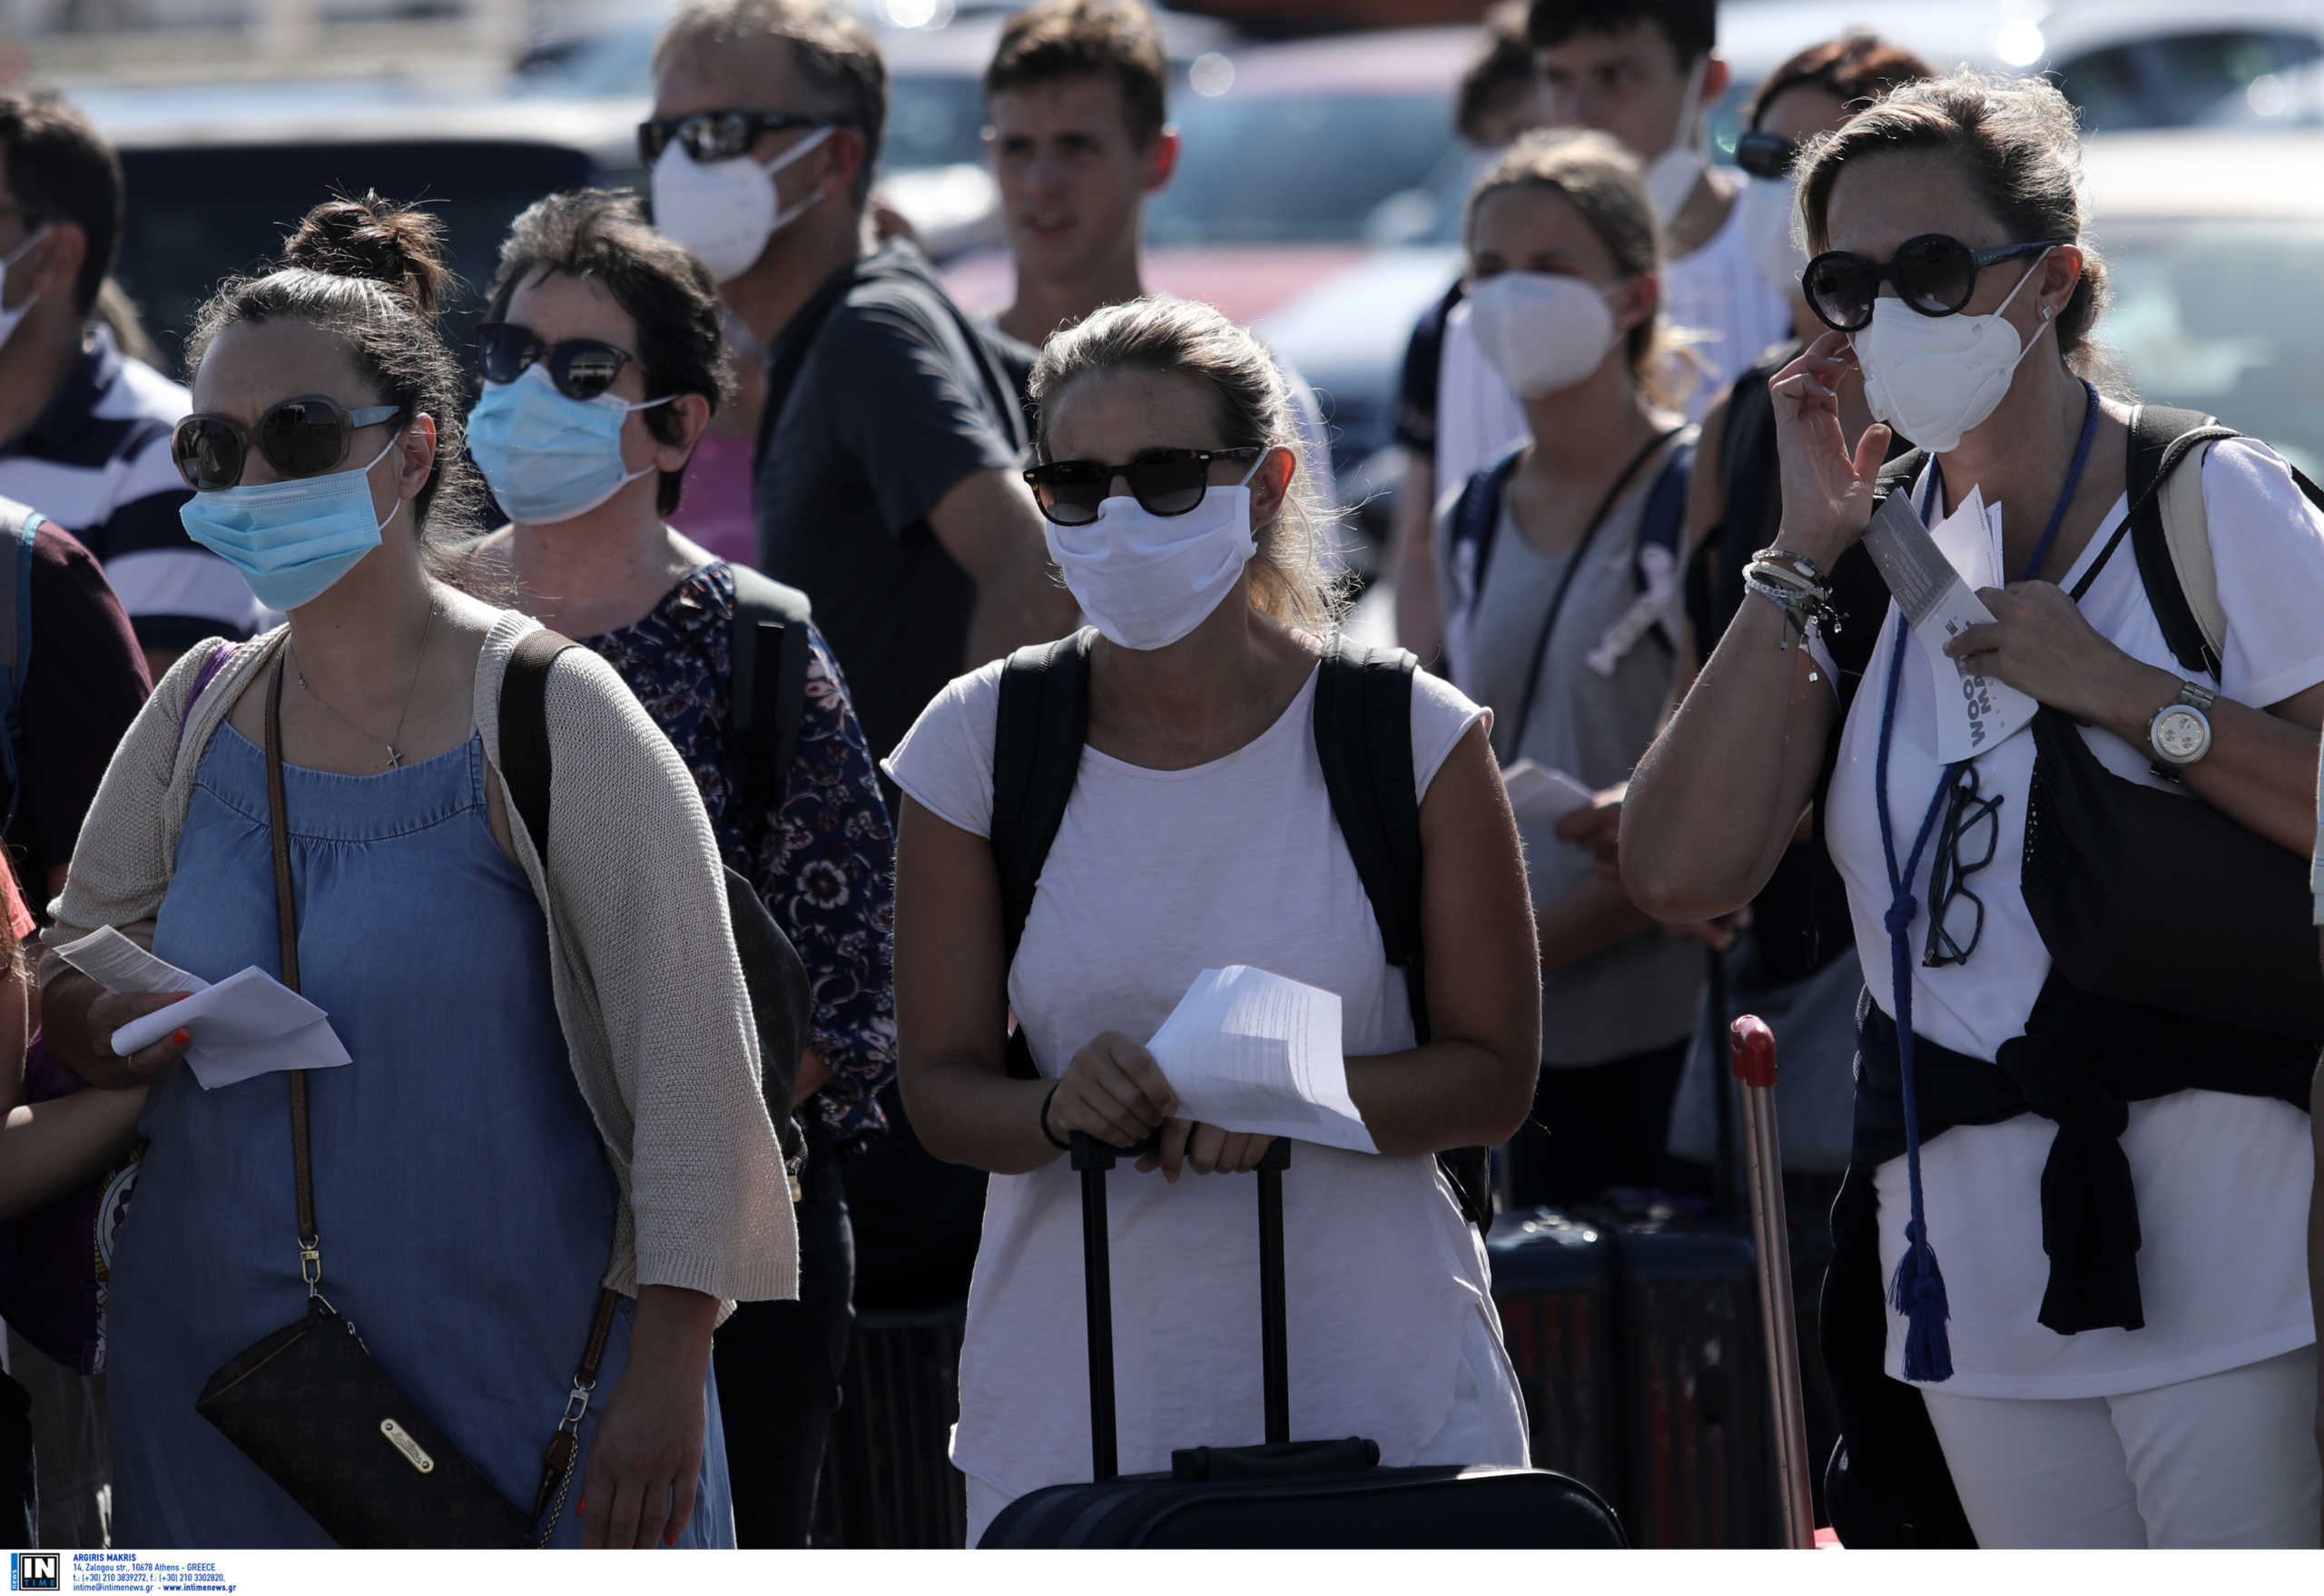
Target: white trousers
[2228, 1460]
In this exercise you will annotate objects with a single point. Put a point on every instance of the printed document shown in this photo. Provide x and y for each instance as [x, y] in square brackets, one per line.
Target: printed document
[1252, 1052]
[1542, 797]
[249, 1024]
[1974, 712]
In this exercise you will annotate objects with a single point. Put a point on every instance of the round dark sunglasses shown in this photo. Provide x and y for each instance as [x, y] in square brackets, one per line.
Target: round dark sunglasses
[1765, 154]
[582, 368]
[301, 436]
[717, 135]
[1164, 481]
[1934, 275]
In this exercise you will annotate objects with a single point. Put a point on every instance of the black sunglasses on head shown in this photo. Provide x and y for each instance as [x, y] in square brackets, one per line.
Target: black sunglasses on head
[1765, 154]
[582, 368]
[301, 436]
[717, 135]
[1934, 275]
[1164, 481]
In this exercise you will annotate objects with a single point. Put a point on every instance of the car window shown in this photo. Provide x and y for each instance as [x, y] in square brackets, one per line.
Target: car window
[1295, 168]
[196, 216]
[2174, 81]
[2226, 317]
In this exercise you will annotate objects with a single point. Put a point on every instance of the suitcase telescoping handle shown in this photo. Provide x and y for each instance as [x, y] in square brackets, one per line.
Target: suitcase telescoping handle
[1753, 1050]
[1092, 1159]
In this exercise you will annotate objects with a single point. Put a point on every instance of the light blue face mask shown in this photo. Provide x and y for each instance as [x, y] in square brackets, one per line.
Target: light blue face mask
[292, 539]
[548, 458]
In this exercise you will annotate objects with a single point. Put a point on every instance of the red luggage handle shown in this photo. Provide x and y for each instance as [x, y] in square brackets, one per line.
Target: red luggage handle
[1753, 1049]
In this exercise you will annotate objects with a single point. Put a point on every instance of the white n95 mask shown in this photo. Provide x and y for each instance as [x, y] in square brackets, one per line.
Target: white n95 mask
[1671, 176]
[1144, 580]
[1542, 332]
[725, 212]
[1934, 378]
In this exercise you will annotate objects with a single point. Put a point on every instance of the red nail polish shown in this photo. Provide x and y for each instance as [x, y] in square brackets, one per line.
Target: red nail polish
[182, 1036]
[671, 1539]
[583, 1506]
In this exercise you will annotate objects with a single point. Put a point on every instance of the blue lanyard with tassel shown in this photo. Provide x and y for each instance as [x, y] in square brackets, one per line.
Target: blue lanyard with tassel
[1917, 1291]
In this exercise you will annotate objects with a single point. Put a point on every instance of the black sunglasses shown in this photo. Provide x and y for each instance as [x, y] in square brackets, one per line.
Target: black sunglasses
[717, 135]
[1765, 154]
[302, 437]
[1964, 845]
[582, 368]
[1934, 275]
[1164, 481]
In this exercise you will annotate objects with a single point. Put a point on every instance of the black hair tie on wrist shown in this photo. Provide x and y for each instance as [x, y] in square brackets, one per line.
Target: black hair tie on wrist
[1062, 1146]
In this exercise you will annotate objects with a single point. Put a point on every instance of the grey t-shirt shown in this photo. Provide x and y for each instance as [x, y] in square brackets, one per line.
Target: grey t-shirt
[1644, 993]
[895, 402]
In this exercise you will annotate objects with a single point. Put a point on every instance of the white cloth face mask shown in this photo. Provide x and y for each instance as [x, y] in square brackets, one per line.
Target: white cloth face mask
[1144, 580]
[1935, 378]
[726, 211]
[1770, 219]
[8, 317]
[1542, 331]
[1671, 176]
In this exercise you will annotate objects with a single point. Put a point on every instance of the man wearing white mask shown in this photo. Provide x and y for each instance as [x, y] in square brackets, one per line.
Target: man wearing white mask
[1644, 71]
[886, 482]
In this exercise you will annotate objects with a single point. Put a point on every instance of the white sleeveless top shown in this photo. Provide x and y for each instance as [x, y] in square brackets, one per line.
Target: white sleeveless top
[1155, 876]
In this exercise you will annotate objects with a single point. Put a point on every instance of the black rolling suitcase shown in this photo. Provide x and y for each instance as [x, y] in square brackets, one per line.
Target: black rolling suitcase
[1283, 1494]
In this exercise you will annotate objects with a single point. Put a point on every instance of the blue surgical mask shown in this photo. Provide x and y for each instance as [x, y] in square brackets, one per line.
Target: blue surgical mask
[291, 539]
[548, 458]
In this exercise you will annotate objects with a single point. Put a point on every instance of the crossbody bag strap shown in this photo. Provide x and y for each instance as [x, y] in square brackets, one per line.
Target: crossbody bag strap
[277, 825]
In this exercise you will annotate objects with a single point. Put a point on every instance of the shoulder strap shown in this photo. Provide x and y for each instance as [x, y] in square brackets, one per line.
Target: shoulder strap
[2171, 535]
[1662, 524]
[1476, 514]
[789, 356]
[1042, 723]
[524, 732]
[1363, 741]
[766, 688]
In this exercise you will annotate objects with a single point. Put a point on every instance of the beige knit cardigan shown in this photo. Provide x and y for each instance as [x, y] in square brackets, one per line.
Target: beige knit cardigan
[649, 991]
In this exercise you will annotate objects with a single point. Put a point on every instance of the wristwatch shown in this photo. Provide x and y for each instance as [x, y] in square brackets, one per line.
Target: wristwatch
[2180, 732]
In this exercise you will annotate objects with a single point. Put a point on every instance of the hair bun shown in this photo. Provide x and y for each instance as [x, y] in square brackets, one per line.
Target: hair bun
[395, 245]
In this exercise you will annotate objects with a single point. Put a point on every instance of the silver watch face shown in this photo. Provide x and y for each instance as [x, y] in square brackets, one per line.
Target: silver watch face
[2180, 735]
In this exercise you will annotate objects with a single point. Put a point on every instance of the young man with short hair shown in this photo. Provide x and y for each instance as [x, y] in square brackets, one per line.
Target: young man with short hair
[887, 487]
[1079, 137]
[85, 430]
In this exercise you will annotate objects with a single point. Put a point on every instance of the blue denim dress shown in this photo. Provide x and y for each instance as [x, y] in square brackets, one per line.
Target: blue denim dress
[464, 1200]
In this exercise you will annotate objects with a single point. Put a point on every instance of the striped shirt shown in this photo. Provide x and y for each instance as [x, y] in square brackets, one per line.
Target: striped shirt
[97, 463]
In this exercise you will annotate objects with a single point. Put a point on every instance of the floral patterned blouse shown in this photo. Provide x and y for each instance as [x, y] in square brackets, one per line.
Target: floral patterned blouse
[825, 864]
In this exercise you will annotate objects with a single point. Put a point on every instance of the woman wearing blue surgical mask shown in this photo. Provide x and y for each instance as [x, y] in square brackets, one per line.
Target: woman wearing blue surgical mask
[1558, 564]
[1197, 833]
[603, 366]
[540, 1158]
[2067, 1305]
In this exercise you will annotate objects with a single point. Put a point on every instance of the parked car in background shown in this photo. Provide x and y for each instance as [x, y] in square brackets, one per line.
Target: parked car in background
[217, 175]
[2215, 244]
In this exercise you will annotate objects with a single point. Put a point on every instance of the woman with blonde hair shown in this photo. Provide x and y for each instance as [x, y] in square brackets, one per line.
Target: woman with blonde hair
[1558, 569]
[1198, 835]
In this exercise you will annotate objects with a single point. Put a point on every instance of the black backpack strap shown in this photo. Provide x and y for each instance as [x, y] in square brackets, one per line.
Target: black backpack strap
[2161, 440]
[1364, 740]
[1042, 723]
[766, 689]
[1476, 514]
[524, 732]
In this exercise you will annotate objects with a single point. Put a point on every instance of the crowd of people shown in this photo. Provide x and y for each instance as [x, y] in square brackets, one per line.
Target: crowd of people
[701, 956]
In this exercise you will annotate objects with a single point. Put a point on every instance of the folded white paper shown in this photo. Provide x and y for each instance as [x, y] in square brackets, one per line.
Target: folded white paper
[1543, 797]
[120, 965]
[249, 1024]
[1974, 713]
[1255, 1053]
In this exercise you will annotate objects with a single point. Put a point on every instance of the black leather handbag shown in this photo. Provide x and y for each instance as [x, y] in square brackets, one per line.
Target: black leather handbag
[310, 1406]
